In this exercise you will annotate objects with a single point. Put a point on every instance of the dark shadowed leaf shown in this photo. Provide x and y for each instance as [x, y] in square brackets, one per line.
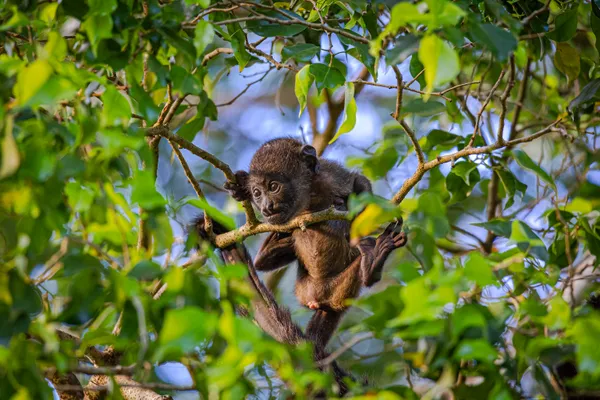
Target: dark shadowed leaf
[565, 26]
[499, 41]
[303, 52]
[326, 77]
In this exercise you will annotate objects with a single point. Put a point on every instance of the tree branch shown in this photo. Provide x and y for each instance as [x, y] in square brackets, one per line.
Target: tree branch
[397, 116]
[163, 131]
[467, 151]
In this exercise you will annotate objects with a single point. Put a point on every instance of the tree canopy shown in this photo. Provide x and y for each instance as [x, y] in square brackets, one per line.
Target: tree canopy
[477, 121]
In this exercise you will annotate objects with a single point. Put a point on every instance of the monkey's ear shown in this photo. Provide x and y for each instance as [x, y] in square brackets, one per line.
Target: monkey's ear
[309, 154]
[361, 184]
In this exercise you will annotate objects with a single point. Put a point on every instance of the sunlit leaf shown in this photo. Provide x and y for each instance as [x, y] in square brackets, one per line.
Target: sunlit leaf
[440, 61]
[304, 80]
[349, 113]
[204, 35]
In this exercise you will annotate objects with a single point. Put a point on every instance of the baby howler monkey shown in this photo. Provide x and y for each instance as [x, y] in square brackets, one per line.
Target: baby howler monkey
[287, 179]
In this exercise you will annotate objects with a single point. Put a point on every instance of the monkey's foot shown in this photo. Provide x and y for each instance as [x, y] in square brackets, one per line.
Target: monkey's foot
[313, 305]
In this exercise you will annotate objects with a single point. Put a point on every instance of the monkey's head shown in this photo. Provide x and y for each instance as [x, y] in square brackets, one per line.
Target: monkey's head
[281, 173]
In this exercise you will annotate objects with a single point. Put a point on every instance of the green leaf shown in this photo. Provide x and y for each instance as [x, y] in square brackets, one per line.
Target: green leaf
[184, 82]
[98, 27]
[440, 140]
[183, 45]
[213, 212]
[499, 41]
[142, 102]
[462, 179]
[585, 332]
[80, 197]
[559, 316]
[304, 81]
[589, 94]
[8, 149]
[144, 191]
[463, 170]
[238, 44]
[565, 26]
[567, 60]
[204, 34]
[526, 162]
[302, 52]
[183, 330]
[326, 77]
[375, 212]
[476, 349]
[349, 113]
[270, 29]
[206, 107]
[115, 108]
[191, 128]
[440, 61]
[479, 270]
[415, 67]
[527, 240]
[404, 47]
[595, 25]
[30, 80]
[511, 185]
[422, 108]
[201, 3]
[102, 7]
[499, 227]
[146, 271]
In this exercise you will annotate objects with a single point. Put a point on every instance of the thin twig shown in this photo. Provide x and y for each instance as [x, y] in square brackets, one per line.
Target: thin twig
[338, 352]
[397, 116]
[483, 106]
[163, 131]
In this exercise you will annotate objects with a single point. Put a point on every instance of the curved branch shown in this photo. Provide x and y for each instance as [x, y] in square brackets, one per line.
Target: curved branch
[467, 151]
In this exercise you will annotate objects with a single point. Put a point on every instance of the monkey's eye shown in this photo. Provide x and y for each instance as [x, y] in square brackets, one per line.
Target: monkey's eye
[256, 193]
[274, 187]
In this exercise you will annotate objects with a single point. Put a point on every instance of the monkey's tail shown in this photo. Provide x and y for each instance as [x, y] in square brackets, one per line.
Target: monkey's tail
[272, 318]
[235, 254]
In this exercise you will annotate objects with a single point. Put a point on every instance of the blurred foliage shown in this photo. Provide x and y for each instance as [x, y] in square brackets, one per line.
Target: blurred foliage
[476, 304]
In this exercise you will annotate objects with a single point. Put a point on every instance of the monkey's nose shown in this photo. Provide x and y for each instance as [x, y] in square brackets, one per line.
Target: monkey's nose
[269, 210]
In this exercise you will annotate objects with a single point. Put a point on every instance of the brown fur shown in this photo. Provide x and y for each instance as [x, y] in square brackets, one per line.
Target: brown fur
[287, 179]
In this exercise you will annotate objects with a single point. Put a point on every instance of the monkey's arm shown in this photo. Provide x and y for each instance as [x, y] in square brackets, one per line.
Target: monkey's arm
[239, 190]
[276, 251]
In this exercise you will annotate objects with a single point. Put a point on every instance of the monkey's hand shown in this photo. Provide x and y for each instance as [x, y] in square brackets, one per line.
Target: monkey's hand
[392, 238]
[239, 190]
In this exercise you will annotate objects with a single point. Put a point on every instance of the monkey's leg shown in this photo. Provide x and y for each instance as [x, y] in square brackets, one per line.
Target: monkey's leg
[374, 258]
[276, 251]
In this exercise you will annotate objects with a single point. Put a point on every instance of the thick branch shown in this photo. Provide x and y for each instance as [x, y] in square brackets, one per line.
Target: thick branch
[300, 222]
